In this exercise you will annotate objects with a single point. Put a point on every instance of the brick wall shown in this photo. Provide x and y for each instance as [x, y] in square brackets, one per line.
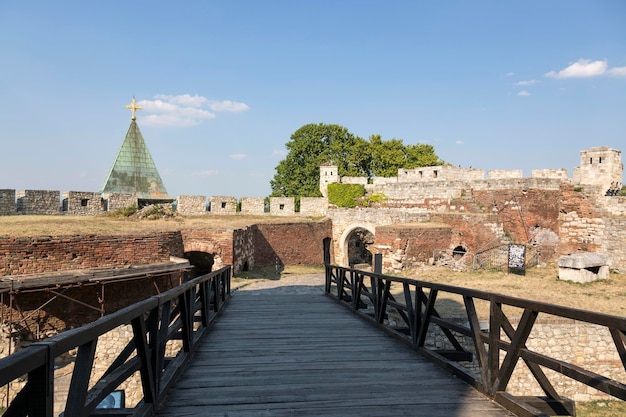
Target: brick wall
[292, 243]
[30, 255]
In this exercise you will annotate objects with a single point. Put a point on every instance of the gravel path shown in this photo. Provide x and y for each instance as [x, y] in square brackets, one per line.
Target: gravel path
[287, 284]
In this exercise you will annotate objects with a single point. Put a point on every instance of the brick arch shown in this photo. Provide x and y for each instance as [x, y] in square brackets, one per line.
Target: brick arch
[205, 247]
[343, 239]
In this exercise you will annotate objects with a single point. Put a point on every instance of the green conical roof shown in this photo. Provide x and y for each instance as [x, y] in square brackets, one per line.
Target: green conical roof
[134, 171]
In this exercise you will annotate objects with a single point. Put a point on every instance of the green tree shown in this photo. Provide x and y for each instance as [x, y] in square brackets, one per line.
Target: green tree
[316, 144]
[309, 147]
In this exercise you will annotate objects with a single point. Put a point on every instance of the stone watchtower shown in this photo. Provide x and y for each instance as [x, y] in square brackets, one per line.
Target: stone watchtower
[328, 174]
[601, 166]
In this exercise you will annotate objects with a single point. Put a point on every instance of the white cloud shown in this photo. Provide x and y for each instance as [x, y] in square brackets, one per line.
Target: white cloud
[206, 173]
[510, 74]
[617, 72]
[526, 82]
[523, 93]
[184, 110]
[237, 156]
[459, 142]
[227, 105]
[279, 152]
[583, 68]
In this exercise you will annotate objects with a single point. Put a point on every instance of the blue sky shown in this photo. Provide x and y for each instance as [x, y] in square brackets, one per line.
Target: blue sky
[224, 84]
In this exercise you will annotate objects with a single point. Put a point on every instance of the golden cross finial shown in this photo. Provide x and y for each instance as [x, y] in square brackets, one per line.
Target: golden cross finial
[133, 107]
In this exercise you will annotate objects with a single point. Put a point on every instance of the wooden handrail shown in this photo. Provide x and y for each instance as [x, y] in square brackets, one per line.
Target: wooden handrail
[155, 321]
[368, 294]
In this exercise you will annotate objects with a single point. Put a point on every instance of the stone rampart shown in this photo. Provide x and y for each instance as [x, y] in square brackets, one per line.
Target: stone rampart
[191, 205]
[7, 202]
[119, 201]
[560, 174]
[38, 202]
[252, 206]
[498, 174]
[222, 205]
[282, 206]
[313, 206]
[82, 203]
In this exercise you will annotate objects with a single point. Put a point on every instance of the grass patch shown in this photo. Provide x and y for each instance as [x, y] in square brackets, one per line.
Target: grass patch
[601, 409]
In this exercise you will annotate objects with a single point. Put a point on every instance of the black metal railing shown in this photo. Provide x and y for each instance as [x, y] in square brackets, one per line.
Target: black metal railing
[497, 349]
[183, 313]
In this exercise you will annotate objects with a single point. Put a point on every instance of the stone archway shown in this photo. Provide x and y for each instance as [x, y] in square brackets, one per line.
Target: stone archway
[353, 244]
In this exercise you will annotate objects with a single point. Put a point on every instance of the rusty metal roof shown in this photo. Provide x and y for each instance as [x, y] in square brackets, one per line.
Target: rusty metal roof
[134, 170]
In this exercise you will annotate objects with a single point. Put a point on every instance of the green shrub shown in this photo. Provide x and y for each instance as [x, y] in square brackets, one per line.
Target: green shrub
[378, 198]
[622, 192]
[345, 195]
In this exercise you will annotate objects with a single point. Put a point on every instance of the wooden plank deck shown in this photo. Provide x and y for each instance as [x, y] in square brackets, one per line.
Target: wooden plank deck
[304, 355]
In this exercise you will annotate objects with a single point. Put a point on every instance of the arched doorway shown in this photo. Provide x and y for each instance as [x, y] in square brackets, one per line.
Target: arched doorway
[357, 243]
[202, 262]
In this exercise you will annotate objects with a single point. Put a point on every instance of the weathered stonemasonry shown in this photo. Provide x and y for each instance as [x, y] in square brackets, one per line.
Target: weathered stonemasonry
[30, 255]
[410, 245]
[82, 203]
[252, 205]
[191, 205]
[313, 206]
[581, 224]
[582, 344]
[222, 205]
[117, 201]
[282, 206]
[614, 243]
[38, 202]
[7, 202]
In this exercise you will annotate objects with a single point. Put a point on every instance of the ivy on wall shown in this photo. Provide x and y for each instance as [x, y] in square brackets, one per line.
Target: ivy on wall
[345, 195]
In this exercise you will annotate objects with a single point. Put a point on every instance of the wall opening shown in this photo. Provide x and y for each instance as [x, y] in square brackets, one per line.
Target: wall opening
[202, 262]
[357, 242]
[459, 252]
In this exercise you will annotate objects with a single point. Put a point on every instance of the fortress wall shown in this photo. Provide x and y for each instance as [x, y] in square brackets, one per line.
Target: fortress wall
[82, 203]
[253, 205]
[7, 202]
[415, 193]
[496, 174]
[118, 201]
[614, 243]
[290, 243]
[191, 205]
[409, 246]
[217, 242]
[313, 206]
[32, 255]
[614, 206]
[38, 202]
[560, 174]
[581, 224]
[472, 232]
[354, 180]
[440, 173]
[282, 206]
[222, 205]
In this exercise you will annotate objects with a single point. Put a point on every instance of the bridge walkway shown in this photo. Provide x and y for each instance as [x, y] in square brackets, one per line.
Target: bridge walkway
[291, 351]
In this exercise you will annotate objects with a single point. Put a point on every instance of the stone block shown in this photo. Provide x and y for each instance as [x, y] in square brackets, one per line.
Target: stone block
[584, 267]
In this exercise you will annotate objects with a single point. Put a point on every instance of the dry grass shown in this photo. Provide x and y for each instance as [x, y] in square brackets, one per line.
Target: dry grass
[77, 225]
[540, 284]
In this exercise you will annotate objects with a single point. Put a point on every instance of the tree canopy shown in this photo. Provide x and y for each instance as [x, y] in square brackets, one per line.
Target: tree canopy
[316, 144]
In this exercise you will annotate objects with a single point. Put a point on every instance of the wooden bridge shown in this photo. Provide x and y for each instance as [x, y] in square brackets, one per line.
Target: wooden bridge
[303, 354]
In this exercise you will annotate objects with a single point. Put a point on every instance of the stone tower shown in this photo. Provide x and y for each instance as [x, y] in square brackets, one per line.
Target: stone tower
[601, 166]
[134, 171]
[328, 174]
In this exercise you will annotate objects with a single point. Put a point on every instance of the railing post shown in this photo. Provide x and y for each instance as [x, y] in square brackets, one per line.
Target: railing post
[493, 362]
[378, 263]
